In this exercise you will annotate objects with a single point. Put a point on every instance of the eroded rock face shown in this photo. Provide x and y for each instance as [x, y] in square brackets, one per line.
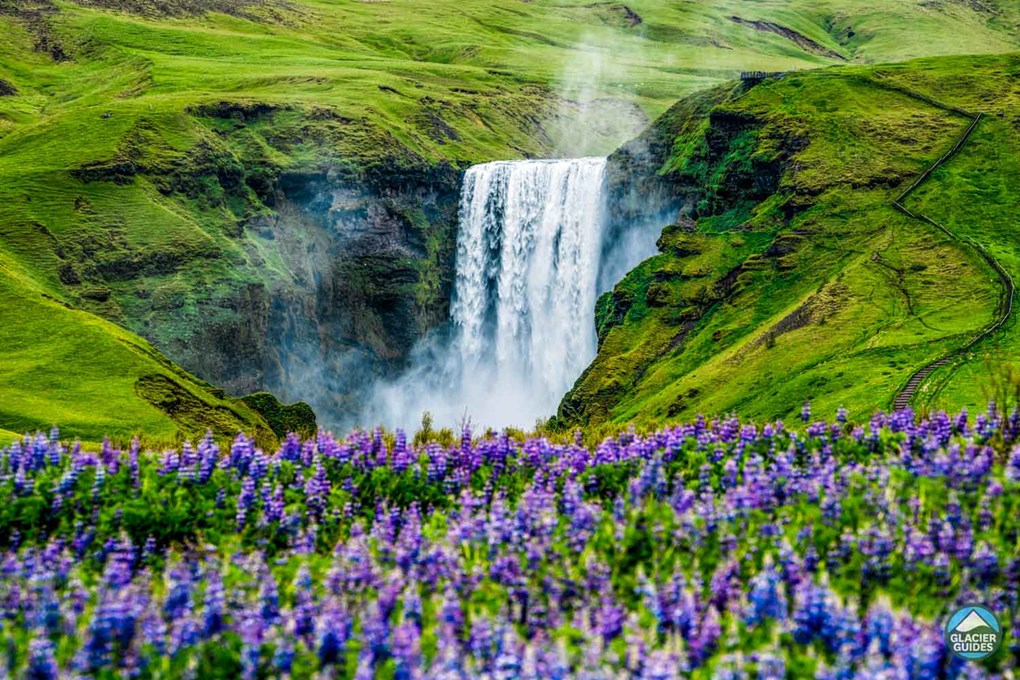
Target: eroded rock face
[369, 270]
[325, 288]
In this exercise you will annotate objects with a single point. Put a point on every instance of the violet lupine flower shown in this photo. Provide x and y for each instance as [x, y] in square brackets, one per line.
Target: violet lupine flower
[283, 656]
[171, 463]
[133, 465]
[609, 619]
[878, 629]
[332, 633]
[706, 637]
[767, 597]
[269, 599]
[771, 666]
[24, 485]
[402, 455]
[214, 605]
[179, 595]
[185, 633]
[252, 630]
[317, 489]
[208, 458]
[407, 652]
[258, 467]
[274, 505]
[154, 628]
[304, 605]
[110, 631]
[1013, 465]
[187, 468]
[42, 658]
[245, 501]
[985, 564]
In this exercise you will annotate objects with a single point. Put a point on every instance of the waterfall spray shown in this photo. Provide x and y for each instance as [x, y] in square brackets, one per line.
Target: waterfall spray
[528, 252]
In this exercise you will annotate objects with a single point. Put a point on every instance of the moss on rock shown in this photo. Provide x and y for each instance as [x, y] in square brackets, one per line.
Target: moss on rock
[283, 418]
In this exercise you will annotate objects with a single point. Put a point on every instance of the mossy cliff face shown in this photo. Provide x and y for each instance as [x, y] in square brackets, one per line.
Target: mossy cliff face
[368, 263]
[312, 274]
[328, 278]
[642, 187]
[784, 273]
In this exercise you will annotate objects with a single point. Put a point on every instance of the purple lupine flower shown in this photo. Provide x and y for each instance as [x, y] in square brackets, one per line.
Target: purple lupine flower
[407, 652]
[609, 619]
[42, 658]
[706, 637]
[251, 630]
[283, 656]
[269, 599]
[178, 597]
[1013, 465]
[245, 501]
[317, 489]
[214, 605]
[767, 597]
[187, 467]
[985, 564]
[185, 633]
[332, 632]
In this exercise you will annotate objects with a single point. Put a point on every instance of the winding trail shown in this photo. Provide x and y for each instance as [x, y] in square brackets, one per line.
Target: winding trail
[1005, 306]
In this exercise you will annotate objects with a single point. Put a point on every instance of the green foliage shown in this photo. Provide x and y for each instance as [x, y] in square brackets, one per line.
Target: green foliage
[283, 418]
[799, 281]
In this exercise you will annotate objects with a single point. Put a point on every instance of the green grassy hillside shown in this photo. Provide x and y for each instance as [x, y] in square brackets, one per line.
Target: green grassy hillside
[790, 277]
[138, 139]
[67, 366]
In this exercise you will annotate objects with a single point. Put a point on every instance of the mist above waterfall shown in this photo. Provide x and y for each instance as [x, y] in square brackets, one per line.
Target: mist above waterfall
[528, 257]
[593, 117]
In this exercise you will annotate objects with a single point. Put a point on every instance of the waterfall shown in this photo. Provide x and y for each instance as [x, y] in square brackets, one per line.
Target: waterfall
[528, 250]
[527, 263]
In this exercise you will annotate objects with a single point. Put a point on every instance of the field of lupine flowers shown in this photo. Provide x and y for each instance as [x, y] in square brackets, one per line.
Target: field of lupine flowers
[719, 549]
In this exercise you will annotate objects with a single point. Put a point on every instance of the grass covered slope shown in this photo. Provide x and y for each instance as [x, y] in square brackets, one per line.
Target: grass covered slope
[101, 380]
[789, 276]
[975, 197]
[138, 139]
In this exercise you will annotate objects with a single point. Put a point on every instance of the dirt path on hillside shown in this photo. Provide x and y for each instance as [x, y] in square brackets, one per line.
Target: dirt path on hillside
[1005, 307]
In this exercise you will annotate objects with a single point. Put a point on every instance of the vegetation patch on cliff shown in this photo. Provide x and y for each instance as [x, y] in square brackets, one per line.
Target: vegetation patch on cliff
[795, 278]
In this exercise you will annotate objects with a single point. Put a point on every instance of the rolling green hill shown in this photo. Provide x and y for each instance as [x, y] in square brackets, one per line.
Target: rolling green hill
[153, 156]
[790, 276]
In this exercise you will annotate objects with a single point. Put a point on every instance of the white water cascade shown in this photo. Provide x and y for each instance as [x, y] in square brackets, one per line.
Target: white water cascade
[528, 252]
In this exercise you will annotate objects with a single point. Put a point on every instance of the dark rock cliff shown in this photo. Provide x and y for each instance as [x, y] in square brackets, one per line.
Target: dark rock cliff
[342, 277]
[368, 271]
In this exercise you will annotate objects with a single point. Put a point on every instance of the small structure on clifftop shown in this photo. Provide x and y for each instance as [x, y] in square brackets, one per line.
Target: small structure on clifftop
[755, 77]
